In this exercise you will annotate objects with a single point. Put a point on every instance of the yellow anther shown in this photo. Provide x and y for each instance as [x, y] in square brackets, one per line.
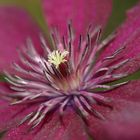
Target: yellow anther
[57, 57]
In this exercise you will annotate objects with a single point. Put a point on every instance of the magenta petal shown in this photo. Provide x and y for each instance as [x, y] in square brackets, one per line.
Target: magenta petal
[128, 35]
[124, 116]
[53, 130]
[9, 117]
[128, 92]
[123, 123]
[81, 12]
[15, 28]
[12, 115]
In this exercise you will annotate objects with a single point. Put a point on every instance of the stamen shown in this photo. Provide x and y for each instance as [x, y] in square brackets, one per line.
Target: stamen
[57, 57]
[68, 77]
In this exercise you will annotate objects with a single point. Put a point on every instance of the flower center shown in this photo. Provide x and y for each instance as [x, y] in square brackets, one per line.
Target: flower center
[68, 77]
[61, 72]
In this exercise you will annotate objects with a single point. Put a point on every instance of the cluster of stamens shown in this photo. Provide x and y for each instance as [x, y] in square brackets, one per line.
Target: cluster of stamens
[68, 76]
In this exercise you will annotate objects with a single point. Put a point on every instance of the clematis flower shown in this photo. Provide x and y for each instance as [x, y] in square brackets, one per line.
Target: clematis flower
[64, 93]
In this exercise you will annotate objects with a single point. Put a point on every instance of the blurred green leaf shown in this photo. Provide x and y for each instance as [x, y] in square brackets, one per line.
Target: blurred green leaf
[34, 8]
[2, 133]
[134, 76]
[2, 78]
[118, 14]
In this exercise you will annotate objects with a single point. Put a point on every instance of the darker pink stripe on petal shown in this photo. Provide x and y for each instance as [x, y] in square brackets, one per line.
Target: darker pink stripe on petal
[81, 12]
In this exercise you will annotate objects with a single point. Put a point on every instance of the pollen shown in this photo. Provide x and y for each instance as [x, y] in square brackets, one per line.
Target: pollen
[57, 57]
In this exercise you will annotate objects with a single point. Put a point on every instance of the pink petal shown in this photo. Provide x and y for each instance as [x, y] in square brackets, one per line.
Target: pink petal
[8, 117]
[122, 123]
[129, 35]
[129, 92]
[124, 116]
[125, 123]
[53, 130]
[16, 26]
[118, 121]
[82, 13]
[12, 115]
